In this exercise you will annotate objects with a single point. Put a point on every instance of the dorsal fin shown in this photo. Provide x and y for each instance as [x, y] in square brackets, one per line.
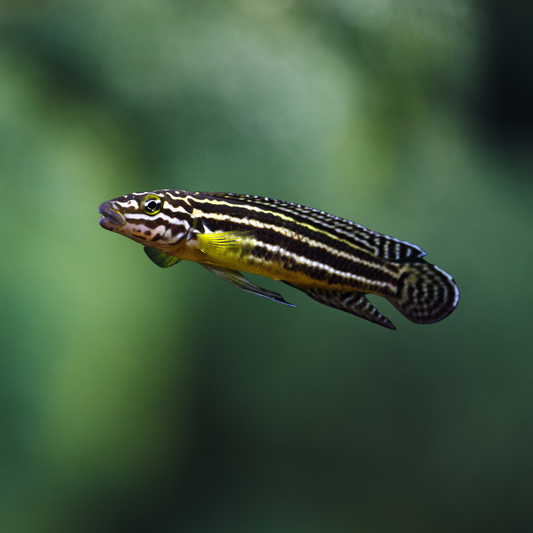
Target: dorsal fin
[378, 244]
[391, 249]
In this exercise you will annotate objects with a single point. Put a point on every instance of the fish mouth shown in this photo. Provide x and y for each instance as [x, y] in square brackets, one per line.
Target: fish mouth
[111, 218]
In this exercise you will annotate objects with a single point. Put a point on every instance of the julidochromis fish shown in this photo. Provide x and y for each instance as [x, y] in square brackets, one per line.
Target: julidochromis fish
[333, 260]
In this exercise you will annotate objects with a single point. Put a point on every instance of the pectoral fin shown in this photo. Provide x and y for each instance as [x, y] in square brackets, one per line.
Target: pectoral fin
[161, 259]
[237, 279]
[224, 242]
[351, 302]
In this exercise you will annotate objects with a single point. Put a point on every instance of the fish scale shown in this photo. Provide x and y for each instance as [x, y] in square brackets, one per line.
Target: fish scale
[333, 260]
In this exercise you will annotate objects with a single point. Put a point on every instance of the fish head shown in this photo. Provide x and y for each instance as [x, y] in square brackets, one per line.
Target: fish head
[157, 219]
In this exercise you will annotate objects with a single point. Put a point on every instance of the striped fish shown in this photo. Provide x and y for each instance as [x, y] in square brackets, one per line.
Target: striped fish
[335, 261]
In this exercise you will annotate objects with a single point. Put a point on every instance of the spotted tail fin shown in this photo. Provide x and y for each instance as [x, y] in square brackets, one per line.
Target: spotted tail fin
[426, 294]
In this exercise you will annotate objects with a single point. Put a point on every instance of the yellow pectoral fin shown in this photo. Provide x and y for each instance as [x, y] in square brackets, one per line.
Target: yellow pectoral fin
[224, 243]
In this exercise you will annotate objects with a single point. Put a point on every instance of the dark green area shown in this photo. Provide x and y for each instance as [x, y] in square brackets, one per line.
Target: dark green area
[139, 399]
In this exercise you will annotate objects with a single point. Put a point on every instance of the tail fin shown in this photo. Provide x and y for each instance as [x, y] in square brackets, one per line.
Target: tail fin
[426, 294]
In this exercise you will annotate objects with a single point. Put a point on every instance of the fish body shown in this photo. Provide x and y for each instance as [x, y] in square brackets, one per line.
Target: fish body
[333, 260]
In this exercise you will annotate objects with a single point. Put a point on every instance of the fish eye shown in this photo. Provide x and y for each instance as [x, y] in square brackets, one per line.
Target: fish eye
[151, 204]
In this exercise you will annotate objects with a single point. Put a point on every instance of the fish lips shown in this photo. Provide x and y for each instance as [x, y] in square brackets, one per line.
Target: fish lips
[111, 218]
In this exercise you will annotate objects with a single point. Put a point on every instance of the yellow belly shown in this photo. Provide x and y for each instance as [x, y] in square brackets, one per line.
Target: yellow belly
[242, 260]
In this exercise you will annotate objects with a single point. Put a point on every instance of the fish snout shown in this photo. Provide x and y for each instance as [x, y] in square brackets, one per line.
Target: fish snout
[110, 218]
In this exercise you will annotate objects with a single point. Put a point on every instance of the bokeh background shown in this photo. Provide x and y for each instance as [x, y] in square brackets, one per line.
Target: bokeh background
[139, 399]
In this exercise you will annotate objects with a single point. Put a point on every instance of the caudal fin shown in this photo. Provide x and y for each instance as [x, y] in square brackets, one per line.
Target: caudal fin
[426, 294]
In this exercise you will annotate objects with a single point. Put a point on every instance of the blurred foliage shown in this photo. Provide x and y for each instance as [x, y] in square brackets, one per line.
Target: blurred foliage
[137, 399]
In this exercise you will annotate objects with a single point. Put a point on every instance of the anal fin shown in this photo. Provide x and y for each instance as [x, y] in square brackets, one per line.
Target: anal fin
[238, 280]
[355, 303]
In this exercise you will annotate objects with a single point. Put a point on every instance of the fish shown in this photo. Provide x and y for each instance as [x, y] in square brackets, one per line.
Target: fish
[333, 260]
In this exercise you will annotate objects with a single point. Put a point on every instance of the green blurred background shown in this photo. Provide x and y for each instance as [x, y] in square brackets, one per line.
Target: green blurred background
[139, 399]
